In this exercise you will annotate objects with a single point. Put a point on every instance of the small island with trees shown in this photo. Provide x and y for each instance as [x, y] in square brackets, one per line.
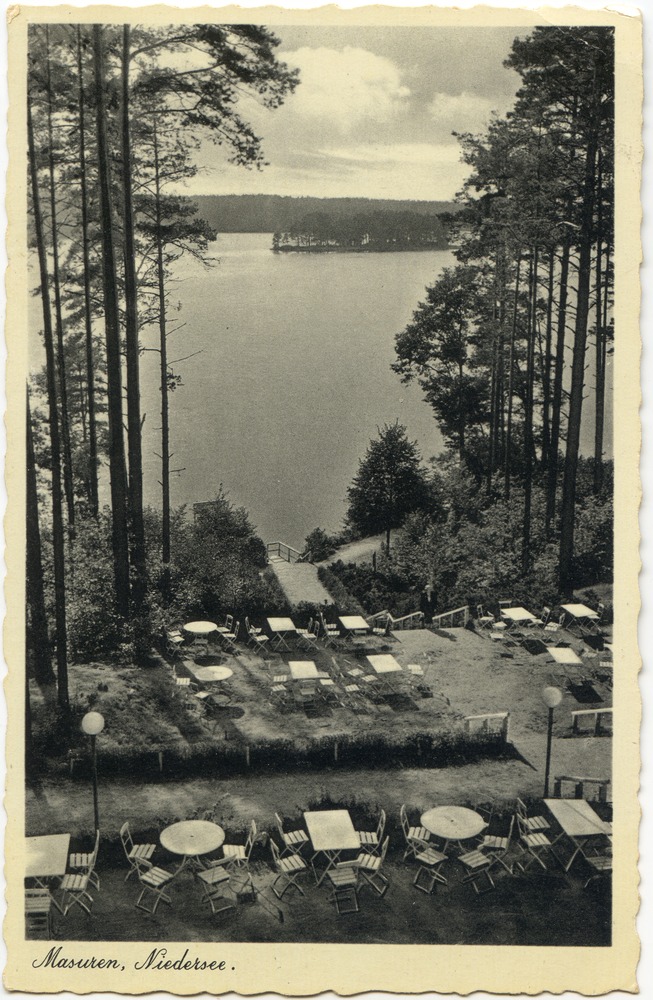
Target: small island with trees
[375, 232]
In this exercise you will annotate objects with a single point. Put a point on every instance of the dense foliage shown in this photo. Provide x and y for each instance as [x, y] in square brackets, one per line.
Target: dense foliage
[373, 231]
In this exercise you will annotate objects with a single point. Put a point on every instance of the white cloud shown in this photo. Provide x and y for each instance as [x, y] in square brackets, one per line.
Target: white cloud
[346, 87]
[414, 153]
[464, 112]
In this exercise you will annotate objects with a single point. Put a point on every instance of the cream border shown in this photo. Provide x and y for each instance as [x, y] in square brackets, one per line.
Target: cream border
[292, 969]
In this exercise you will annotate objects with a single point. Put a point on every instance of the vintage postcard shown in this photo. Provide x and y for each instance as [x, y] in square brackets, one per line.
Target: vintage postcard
[322, 540]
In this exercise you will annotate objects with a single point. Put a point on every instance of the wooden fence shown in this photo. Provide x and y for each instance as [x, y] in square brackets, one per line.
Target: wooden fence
[495, 722]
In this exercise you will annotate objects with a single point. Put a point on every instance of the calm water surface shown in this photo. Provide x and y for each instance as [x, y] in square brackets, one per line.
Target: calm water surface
[291, 380]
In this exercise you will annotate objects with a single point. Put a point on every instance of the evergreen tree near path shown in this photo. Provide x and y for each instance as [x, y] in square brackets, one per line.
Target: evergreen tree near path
[390, 484]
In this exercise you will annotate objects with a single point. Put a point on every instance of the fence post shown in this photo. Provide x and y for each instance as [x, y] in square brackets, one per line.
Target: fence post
[160, 756]
[578, 790]
[574, 719]
[603, 792]
[597, 724]
[335, 751]
[247, 756]
[505, 727]
[557, 789]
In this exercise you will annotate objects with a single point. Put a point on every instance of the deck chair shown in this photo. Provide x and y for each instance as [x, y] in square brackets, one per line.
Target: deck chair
[293, 840]
[371, 839]
[237, 854]
[153, 880]
[533, 823]
[289, 869]
[87, 862]
[38, 908]
[138, 855]
[417, 837]
[369, 867]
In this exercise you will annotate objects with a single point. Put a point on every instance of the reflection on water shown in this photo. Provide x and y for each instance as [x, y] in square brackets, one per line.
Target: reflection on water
[291, 382]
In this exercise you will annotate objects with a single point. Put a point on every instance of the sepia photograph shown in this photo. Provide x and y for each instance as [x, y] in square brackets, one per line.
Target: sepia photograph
[322, 614]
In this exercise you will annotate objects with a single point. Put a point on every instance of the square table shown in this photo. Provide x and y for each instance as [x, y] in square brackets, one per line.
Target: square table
[562, 655]
[354, 623]
[331, 832]
[46, 857]
[385, 663]
[301, 670]
[578, 820]
[517, 614]
[281, 628]
[580, 611]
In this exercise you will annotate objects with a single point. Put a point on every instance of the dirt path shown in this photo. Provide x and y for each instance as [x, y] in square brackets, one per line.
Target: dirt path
[300, 583]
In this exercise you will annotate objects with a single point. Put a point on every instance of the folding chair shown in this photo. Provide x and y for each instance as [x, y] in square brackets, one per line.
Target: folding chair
[293, 840]
[153, 880]
[213, 880]
[484, 620]
[74, 891]
[237, 854]
[602, 865]
[344, 882]
[255, 638]
[416, 837]
[532, 822]
[289, 868]
[228, 639]
[38, 908]
[87, 862]
[534, 844]
[497, 842]
[371, 839]
[369, 867]
[174, 641]
[138, 855]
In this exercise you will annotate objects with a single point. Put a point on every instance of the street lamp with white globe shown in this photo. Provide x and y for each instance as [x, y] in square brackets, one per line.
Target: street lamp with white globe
[93, 724]
[551, 696]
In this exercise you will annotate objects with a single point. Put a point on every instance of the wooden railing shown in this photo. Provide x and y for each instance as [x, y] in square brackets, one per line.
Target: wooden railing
[448, 618]
[579, 786]
[488, 724]
[285, 552]
[598, 712]
[416, 620]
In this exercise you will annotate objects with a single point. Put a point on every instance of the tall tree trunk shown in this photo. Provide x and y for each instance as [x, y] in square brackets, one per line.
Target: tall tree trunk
[546, 374]
[132, 350]
[568, 509]
[556, 399]
[600, 350]
[112, 334]
[461, 416]
[38, 641]
[61, 361]
[511, 365]
[90, 370]
[165, 435]
[528, 418]
[55, 452]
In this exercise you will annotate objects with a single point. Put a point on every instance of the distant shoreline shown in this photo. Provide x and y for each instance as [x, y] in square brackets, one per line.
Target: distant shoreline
[402, 248]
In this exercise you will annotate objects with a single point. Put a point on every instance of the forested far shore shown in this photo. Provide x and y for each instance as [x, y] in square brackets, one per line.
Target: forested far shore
[269, 213]
[374, 232]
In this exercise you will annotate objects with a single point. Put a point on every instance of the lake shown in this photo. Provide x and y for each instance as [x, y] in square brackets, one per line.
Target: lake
[289, 379]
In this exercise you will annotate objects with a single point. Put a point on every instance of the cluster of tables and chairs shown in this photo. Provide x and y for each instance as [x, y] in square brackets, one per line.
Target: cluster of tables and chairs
[473, 847]
[56, 879]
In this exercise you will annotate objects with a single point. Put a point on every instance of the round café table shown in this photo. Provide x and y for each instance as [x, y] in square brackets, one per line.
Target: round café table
[200, 628]
[210, 675]
[192, 838]
[453, 823]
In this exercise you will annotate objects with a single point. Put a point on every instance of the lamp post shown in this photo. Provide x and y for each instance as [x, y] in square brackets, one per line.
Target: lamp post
[551, 697]
[92, 724]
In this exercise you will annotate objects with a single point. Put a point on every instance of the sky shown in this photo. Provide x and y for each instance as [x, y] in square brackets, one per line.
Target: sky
[373, 114]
